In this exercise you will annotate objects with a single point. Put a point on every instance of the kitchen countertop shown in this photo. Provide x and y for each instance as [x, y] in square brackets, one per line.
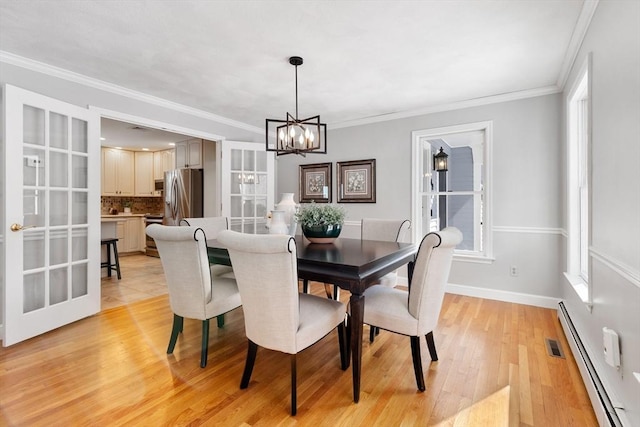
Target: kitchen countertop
[120, 216]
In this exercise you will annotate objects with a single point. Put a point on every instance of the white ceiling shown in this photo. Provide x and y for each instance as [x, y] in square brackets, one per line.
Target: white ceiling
[362, 59]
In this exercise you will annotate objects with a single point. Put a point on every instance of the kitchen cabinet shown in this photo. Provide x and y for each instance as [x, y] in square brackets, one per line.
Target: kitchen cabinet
[144, 184]
[130, 233]
[189, 154]
[163, 161]
[117, 172]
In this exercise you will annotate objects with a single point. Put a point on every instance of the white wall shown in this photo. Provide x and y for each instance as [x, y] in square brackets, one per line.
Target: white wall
[613, 39]
[526, 189]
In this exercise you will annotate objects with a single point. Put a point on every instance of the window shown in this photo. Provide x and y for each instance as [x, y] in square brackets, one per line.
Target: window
[578, 180]
[459, 196]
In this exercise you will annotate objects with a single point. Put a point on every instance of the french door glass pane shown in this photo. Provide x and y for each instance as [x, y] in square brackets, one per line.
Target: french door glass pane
[33, 168]
[58, 136]
[58, 208]
[249, 160]
[79, 171]
[79, 136]
[79, 207]
[261, 161]
[79, 244]
[33, 292]
[58, 247]
[58, 170]
[33, 125]
[33, 208]
[236, 160]
[58, 289]
[79, 283]
[33, 249]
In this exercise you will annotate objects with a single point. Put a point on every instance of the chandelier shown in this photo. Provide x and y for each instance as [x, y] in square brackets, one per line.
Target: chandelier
[294, 135]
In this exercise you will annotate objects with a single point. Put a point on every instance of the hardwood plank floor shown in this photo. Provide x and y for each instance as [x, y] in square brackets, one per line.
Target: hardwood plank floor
[112, 369]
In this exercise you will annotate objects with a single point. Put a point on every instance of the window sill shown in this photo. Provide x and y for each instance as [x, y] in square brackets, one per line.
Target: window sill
[580, 287]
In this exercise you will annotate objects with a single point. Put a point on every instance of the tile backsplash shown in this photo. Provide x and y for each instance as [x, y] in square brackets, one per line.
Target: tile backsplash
[139, 205]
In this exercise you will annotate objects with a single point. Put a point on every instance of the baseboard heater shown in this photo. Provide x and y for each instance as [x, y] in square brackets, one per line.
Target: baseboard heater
[604, 409]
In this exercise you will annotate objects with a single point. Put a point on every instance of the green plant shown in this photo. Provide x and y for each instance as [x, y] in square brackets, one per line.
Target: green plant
[313, 214]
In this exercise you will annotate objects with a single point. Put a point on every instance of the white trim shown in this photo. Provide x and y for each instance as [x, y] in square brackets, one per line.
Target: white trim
[579, 32]
[143, 121]
[530, 230]
[477, 102]
[416, 178]
[61, 73]
[580, 287]
[505, 296]
[625, 271]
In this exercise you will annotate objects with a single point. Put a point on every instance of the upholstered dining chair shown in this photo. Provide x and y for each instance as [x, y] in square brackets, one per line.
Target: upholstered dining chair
[415, 312]
[194, 292]
[212, 226]
[276, 315]
[386, 230]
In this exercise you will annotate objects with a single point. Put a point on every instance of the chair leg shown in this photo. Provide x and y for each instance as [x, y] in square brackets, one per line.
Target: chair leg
[220, 320]
[342, 341]
[248, 365]
[417, 362]
[117, 259]
[374, 331]
[175, 331]
[305, 286]
[108, 260]
[432, 346]
[294, 397]
[205, 343]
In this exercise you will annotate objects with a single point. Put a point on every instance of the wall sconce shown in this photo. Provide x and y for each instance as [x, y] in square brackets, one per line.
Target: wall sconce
[440, 162]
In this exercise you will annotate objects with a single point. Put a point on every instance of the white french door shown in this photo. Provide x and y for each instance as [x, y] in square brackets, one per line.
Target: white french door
[248, 185]
[51, 220]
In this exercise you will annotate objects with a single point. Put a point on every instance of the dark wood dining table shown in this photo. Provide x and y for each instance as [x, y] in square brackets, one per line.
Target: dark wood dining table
[351, 264]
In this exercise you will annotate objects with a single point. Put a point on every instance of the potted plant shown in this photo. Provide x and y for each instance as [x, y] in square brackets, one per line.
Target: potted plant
[127, 206]
[320, 223]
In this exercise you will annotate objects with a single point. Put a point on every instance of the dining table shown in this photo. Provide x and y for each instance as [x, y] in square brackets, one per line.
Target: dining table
[352, 265]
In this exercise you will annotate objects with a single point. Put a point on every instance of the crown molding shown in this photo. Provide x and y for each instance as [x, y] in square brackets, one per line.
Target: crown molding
[61, 73]
[495, 99]
[579, 32]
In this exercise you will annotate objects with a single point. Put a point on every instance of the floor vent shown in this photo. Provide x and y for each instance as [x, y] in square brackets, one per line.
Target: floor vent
[553, 348]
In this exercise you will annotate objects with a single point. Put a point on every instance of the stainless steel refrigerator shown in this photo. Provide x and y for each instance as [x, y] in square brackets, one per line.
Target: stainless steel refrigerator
[183, 194]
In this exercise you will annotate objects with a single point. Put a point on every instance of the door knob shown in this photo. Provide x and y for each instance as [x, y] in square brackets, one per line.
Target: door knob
[20, 227]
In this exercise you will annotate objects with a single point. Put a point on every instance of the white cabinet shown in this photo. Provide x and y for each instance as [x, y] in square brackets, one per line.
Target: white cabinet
[189, 154]
[163, 161]
[117, 172]
[130, 234]
[144, 173]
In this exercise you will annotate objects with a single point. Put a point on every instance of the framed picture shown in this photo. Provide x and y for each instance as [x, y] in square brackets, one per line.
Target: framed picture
[315, 183]
[357, 181]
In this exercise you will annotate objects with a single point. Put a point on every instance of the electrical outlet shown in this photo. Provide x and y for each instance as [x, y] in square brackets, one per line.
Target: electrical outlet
[513, 271]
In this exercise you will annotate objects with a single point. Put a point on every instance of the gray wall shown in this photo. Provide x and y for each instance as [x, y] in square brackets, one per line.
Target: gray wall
[613, 39]
[526, 187]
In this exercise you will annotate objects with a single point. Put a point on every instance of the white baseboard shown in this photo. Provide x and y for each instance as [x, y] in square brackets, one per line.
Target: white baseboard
[506, 296]
[494, 294]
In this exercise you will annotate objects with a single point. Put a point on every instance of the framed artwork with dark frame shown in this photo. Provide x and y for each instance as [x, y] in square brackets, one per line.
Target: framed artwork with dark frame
[315, 183]
[357, 181]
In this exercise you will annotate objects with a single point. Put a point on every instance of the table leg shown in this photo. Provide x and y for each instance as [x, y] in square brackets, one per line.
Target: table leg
[356, 303]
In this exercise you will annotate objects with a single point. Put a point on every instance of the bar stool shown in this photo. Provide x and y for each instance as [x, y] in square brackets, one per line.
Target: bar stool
[111, 243]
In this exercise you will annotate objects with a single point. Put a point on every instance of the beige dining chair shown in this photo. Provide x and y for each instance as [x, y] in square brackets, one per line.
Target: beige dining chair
[276, 315]
[386, 230]
[194, 292]
[415, 312]
[212, 226]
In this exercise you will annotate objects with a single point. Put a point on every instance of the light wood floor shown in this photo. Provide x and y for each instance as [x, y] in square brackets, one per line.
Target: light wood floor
[112, 369]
